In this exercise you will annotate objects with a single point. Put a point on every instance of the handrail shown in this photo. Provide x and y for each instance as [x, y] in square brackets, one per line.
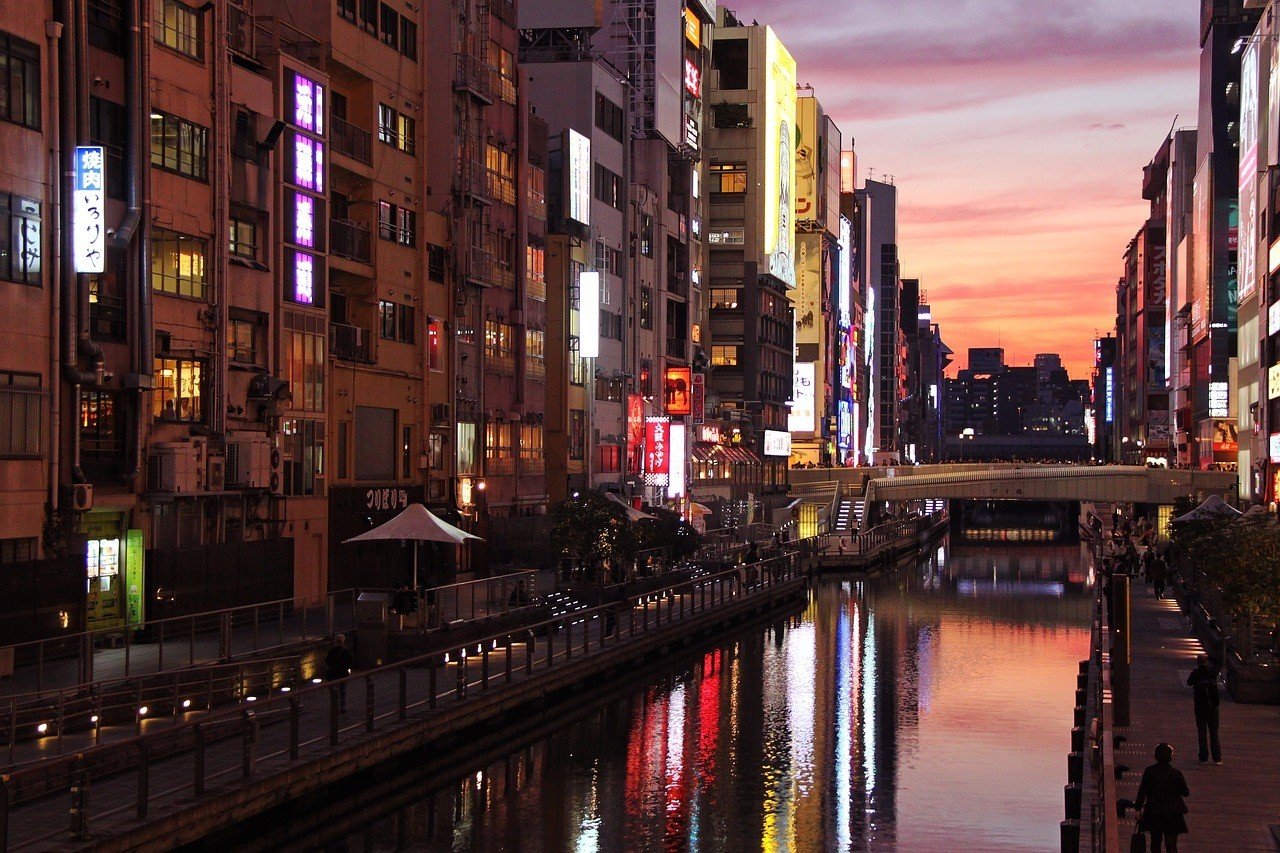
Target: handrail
[497, 656]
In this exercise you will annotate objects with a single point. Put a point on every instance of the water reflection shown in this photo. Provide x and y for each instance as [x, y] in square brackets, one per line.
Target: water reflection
[927, 709]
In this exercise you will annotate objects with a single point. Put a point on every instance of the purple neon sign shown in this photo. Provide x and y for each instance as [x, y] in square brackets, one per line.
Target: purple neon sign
[304, 278]
[304, 220]
[308, 104]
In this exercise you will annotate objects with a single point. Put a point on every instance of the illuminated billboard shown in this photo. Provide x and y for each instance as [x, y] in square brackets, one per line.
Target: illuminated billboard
[657, 450]
[777, 443]
[579, 172]
[844, 282]
[801, 417]
[806, 145]
[779, 159]
[676, 465]
[1247, 257]
[808, 295]
[88, 211]
[589, 314]
[677, 390]
[1201, 250]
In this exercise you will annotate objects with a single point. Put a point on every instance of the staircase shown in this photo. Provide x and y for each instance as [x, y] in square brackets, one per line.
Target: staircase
[848, 516]
[932, 505]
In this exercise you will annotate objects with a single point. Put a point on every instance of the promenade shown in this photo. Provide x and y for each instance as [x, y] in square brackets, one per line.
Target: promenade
[1233, 805]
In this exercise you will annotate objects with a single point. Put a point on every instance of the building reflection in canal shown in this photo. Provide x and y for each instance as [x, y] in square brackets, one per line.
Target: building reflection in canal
[926, 709]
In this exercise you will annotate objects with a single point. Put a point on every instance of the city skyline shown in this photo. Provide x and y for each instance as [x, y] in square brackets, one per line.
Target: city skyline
[1100, 82]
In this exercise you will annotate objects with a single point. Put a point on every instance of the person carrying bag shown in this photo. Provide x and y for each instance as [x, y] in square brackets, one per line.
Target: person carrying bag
[1160, 802]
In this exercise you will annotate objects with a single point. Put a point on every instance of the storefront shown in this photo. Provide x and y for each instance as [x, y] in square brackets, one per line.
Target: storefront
[113, 564]
[357, 509]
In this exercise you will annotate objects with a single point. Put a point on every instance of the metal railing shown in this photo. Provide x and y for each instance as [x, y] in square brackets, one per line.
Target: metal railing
[349, 240]
[355, 142]
[350, 343]
[1092, 821]
[284, 726]
[476, 599]
[177, 642]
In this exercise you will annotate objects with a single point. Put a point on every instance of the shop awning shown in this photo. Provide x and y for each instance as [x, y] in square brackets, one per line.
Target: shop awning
[707, 453]
[741, 456]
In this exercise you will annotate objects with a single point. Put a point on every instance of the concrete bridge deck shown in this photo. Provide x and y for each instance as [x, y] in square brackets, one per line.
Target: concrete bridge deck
[184, 782]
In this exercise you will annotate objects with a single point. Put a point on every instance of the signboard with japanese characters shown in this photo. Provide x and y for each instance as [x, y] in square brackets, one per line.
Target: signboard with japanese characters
[89, 202]
[698, 401]
[657, 451]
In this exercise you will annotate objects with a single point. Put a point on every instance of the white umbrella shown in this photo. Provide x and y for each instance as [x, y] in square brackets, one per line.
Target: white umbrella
[632, 513]
[1213, 507]
[418, 524]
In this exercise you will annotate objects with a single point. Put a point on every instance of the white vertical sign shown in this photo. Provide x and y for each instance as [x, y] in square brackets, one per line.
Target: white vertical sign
[579, 177]
[88, 215]
[675, 478]
[589, 314]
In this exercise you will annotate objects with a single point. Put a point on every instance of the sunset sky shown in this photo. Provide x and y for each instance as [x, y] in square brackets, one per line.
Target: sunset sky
[1016, 132]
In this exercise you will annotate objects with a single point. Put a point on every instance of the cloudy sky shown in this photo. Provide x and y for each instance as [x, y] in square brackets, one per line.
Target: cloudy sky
[1016, 132]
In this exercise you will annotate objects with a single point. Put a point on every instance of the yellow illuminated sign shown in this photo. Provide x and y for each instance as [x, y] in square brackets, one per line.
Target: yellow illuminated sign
[692, 29]
[779, 158]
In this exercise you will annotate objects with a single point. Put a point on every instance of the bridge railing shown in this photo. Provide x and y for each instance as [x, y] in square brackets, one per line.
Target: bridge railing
[311, 720]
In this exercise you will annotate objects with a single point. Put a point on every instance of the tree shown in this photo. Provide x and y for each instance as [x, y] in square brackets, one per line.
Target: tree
[590, 529]
[669, 531]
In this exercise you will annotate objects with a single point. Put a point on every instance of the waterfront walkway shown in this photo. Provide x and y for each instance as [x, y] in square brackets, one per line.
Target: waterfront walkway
[1232, 805]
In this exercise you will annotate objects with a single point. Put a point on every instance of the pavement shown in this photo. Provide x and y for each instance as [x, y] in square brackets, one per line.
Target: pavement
[1233, 805]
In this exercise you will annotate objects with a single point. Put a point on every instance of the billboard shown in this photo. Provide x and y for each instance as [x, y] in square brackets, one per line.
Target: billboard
[808, 295]
[779, 159]
[657, 450]
[698, 398]
[844, 281]
[1250, 68]
[801, 417]
[675, 479]
[807, 191]
[1155, 357]
[1201, 251]
[579, 172]
[89, 210]
[1224, 438]
[677, 390]
[777, 443]
[589, 314]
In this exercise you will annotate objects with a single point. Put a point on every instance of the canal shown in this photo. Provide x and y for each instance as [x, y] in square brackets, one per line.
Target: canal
[927, 708]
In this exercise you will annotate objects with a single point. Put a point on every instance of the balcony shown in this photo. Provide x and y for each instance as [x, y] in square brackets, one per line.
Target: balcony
[351, 241]
[350, 343]
[486, 270]
[677, 348]
[473, 76]
[354, 142]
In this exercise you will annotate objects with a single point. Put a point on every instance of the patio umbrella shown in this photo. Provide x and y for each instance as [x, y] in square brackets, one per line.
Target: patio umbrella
[1213, 507]
[419, 524]
[632, 513]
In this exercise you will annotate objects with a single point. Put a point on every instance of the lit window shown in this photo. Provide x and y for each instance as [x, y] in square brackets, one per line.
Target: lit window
[178, 264]
[178, 26]
[177, 390]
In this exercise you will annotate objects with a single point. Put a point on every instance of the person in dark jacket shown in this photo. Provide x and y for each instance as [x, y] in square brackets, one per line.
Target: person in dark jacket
[1203, 682]
[338, 663]
[1160, 802]
[1159, 573]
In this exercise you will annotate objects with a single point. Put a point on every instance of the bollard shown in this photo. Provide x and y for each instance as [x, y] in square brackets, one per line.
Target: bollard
[1075, 767]
[1073, 796]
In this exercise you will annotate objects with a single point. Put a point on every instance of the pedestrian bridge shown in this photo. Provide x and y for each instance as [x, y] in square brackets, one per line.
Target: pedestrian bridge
[1103, 483]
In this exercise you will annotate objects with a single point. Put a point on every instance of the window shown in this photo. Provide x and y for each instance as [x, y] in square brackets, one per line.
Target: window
[178, 26]
[19, 81]
[532, 453]
[646, 235]
[107, 128]
[435, 334]
[535, 348]
[178, 264]
[610, 325]
[577, 434]
[578, 366]
[536, 272]
[609, 459]
[397, 130]
[390, 33]
[499, 457]
[728, 177]
[18, 550]
[347, 10]
[504, 71]
[106, 25]
[409, 39]
[501, 183]
[244, 235]
[466, 449]
[608, 259]
[178, 390]
[245, 333]
[437, 257]
[304, 364]
[435, 451]
[537, 193]
[727, 115]
[608, 187]
[724, 356]
[609, 390]
[21, 401]
[725, 297]
[100, 426]
[179, 146]
[646, 307]
[20, 245]
[396, 322]
[397, 224]
[302, 452]
[499, 346]
[610, 118]
[369, 15]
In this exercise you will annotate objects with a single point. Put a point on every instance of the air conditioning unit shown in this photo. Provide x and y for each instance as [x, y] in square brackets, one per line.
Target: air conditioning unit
[171, 468]
[248, 463]
[82, 497]
[275, 478]
[200, 450]
[216, 480]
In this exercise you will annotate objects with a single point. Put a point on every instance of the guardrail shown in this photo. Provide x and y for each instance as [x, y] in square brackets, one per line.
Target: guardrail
[1092, 819]
[282, 726]
[179, 641]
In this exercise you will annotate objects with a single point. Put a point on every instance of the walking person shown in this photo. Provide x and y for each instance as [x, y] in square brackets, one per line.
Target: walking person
[338, 664]
[1203, 682]
[1159, 573]
[1160, 801]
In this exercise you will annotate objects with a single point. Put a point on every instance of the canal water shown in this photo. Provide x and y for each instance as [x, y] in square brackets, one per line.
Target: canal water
[924, 709]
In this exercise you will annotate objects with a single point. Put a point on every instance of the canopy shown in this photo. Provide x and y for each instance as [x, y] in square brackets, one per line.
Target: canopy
[632, 513]
[418, 524]
[1213, 507]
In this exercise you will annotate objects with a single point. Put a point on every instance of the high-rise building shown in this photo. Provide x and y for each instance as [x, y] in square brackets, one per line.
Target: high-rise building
[882, 323]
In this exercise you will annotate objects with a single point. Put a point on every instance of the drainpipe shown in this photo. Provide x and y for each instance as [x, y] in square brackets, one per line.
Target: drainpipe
[139, 289]
[53, 31]
[221, 172]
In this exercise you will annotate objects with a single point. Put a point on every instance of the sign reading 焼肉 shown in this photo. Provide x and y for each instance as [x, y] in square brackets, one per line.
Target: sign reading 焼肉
[89, 243]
